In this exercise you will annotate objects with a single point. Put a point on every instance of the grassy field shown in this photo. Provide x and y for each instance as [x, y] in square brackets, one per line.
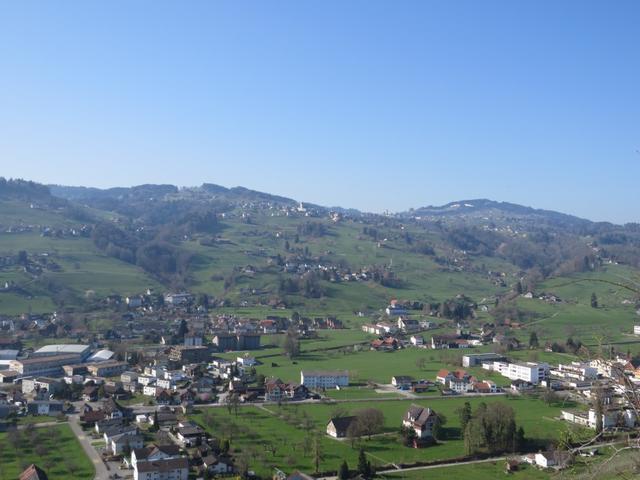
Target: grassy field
[368, 365]
[84, 270]
[54, 449]
[479, 471]
[279, 436]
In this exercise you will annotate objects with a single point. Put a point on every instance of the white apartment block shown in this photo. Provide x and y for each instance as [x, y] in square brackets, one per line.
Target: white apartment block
[324, 379]
[531, 372]
[575, 371]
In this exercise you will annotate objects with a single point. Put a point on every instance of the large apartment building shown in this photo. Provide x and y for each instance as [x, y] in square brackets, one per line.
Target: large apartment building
[324, 379]
[531, 372]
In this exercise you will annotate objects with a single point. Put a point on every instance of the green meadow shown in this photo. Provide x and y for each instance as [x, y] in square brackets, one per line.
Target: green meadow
[54, 449]
[279, 435]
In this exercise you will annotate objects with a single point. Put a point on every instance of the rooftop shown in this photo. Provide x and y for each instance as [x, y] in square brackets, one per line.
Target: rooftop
[61, 349]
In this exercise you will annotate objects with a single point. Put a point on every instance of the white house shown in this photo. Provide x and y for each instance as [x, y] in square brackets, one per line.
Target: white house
[165, 469]
[421, 420]
[247, 361]
[146, 379]
[166, 384]
[150, 390]
[553, 459]
[121, 443]
[177, 298]
[154, 453]
[134, 302]
[218, 465]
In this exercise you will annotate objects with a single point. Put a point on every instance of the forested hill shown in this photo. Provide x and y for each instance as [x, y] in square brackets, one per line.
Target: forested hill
[242, 246]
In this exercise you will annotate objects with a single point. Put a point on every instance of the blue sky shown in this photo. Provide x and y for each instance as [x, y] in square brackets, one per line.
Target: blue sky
[367, 104]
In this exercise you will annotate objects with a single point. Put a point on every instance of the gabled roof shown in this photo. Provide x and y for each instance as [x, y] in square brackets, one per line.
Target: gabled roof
[33, 472]
[342, 424]
[169, 450]
[163, 465]
[420, 415]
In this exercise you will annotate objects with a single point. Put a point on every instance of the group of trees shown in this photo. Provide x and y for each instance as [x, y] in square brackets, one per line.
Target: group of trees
[490, 429]
[368, 422]
[307, 285]
[157, 256]
[312, 229]
[365, 469]
[458, 308]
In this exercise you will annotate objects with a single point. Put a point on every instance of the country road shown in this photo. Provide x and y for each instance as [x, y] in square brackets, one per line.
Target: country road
[101, 470]
[141, 408]
[427, 467]
[472, 462]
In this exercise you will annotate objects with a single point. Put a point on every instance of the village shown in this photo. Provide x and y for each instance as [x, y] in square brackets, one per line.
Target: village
[140, 403]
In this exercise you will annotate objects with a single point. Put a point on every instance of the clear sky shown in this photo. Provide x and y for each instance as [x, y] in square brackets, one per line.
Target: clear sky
[367, 104]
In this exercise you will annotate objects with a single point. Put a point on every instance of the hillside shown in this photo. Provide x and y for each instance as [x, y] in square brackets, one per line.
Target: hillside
[252, 250]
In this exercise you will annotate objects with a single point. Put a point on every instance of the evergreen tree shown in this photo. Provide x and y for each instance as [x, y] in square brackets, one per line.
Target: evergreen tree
[364, 466]
[520, 441]
[155, 427]
[594, 300]
[533, 340]
[465, 415]
[183, 329]
[343, 473]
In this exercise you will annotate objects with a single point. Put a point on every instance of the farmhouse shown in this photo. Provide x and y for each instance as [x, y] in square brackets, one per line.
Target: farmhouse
[386, 343]
[421, 420]
[339, 427]
[276, 390]
[556, 459]
[402, 382]
[408, 325]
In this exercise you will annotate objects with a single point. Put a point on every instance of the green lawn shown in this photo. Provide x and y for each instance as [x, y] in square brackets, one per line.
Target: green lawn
[277, 436]
[54, 449]
[480, 471]
[367, 365]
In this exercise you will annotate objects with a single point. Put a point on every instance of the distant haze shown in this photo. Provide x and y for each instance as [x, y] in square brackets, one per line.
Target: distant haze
[372, 105]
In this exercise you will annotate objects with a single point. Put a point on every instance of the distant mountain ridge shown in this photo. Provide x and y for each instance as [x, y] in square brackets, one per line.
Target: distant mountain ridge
[483, 206]
[462, 208]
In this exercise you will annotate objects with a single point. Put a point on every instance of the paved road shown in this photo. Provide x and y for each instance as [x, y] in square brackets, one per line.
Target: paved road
[427, 467]
[141, 408]
[101, 470]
